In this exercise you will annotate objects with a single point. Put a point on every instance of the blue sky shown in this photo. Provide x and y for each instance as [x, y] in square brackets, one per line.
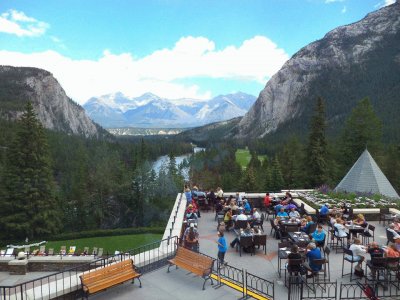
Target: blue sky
[173, 48]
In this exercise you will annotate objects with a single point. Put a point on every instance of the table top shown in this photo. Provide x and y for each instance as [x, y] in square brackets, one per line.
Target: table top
[299, 237]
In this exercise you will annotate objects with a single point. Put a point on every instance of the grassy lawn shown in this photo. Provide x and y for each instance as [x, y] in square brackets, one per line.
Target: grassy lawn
[243, 157]
[108, 243]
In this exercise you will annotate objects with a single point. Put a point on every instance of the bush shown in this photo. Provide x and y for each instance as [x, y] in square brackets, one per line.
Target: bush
[108, 232]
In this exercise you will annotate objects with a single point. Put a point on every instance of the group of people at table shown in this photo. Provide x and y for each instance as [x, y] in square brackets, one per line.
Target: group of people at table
[238, 208]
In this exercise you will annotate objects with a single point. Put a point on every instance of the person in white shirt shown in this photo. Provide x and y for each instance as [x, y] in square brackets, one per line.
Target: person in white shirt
[294, 213]
[242, 216]
[341, 230]
[256, 215]
[358, 252]
[395, 234]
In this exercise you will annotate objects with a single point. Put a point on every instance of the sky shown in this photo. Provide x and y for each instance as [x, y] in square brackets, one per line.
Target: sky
[173, 48]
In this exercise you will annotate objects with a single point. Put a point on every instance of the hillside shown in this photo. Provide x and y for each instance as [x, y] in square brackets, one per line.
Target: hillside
[351, 62]
[54, 108]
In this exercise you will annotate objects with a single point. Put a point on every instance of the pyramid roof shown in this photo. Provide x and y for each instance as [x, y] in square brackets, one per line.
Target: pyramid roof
[365, 176]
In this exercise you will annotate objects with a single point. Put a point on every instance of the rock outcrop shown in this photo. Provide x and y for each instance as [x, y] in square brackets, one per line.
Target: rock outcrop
[54, 108]
[344, 51]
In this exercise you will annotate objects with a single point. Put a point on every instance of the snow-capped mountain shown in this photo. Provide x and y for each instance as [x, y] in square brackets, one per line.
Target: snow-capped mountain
[149, 110]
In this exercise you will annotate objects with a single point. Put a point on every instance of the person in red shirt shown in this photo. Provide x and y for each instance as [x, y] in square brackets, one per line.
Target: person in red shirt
[267, 200]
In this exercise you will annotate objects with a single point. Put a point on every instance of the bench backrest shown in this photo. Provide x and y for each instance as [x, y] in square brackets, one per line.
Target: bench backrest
[201, 261]
[113, 269]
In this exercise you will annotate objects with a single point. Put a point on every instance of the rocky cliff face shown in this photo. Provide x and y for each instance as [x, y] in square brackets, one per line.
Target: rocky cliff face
[54, 109]
[346, 52]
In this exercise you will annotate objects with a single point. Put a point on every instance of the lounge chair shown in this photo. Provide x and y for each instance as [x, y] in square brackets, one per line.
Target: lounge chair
[71, 250]
[63, 250]
[9, 252]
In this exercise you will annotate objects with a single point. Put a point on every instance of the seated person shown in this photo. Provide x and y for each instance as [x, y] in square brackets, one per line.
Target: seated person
[219, 206]
[288, 198]
[278, 208]
[319, 236]
[246, 205]
[374, 251]
[394, 232]
[360, 220]
[228, 219]
[396, 224]
[306, 227]
[324, 211]
[239, 199]
[246, 232]
[294, 213]
[391, 251]
[282, 213]
[294, 254]
[190, 214]
[256, 215]
[312, 253]
[358, 253]
[341, 230]
[278, 227]
[191, 238]
[241, 217]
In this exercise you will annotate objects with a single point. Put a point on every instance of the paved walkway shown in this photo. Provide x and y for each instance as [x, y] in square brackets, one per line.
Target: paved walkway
[180, 285]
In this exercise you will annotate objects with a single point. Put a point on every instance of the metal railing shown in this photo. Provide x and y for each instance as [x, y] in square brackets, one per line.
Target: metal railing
[147, 258]
[248, 284]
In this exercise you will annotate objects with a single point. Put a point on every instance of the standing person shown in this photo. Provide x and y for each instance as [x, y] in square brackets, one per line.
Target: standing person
[267, 201]
[221, 247]
[188, 195]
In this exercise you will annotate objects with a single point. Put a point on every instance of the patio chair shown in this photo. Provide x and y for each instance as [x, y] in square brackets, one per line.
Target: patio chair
[94, 251]
[274, 229]
[261, 240]
[384, 215]
[270, 211]
[339, 240]
[348, 256]
[393, 268]
[50, 252]
[260, 223]
[327, 251]
[63, 250]
[71, 250]
[100, 254]
[367, 234]
[294, 267]
[323, 271]
[389, 236]
[246, 242]
[241, 224]
[281, 245]
[378, 266]
[85, 251]
[42, 250]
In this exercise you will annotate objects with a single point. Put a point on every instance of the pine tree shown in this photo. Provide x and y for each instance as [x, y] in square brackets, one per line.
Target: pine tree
[29, 207]
[292, 169]
[248, 183]
[316, 153]
[277, 182]
[362, 129]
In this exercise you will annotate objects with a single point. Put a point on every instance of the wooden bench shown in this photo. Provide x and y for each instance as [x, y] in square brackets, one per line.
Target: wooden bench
[193, 262]
[98, 280]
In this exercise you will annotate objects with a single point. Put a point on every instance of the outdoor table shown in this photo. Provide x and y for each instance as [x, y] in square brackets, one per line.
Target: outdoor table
[283, 253]
[299, 236]
[354, 230]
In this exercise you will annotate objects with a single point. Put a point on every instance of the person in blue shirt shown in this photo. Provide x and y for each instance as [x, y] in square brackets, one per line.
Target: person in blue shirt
[188, 195]
[306, 226]
[246, 206]
[319, 236]
[222, 247]
[312, 253]
[278, 207]
[324, 211]
[282, 213]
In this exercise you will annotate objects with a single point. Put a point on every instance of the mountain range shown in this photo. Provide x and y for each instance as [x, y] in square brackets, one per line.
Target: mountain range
[349, 63]
[149, 110]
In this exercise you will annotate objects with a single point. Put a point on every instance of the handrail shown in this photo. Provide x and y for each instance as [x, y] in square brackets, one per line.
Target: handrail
[147, 258]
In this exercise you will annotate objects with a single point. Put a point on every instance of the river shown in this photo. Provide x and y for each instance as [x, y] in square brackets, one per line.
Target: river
[164, 160]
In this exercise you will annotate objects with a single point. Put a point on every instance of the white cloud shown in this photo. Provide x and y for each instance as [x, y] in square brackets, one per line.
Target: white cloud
[17, 23]
[384, 3]
[344, 10]
[256, 59]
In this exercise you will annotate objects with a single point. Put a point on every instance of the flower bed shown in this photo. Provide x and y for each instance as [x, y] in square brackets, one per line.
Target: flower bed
[321, 196]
